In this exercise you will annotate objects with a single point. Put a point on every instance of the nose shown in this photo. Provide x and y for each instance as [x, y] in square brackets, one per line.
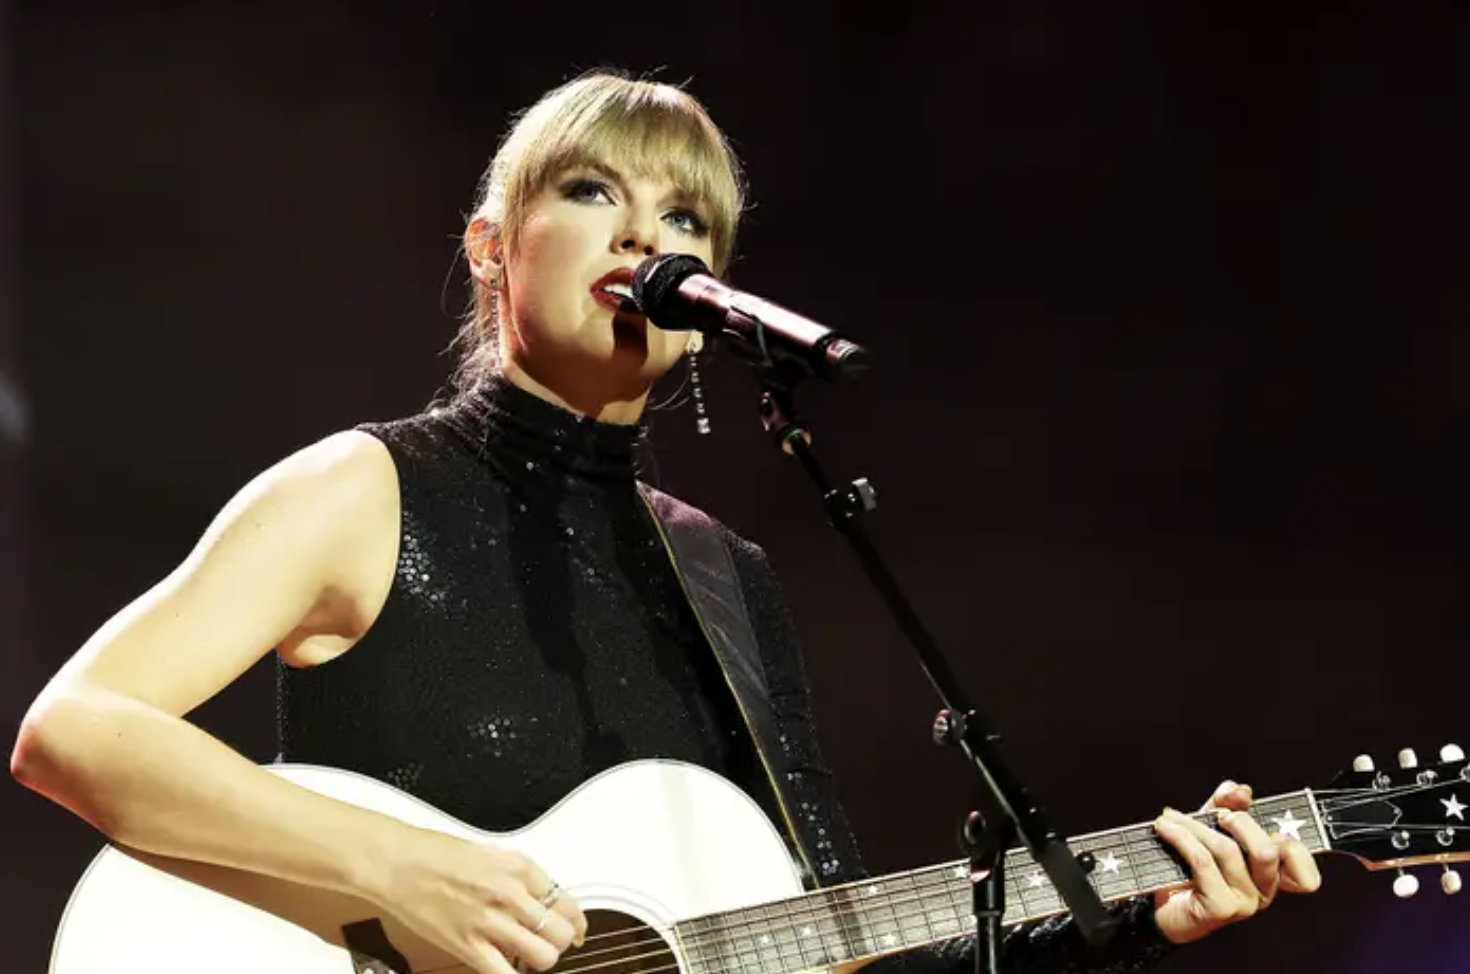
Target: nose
[639, 235]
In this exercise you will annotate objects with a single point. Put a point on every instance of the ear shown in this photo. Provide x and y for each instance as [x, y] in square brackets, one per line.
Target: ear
[483, 249]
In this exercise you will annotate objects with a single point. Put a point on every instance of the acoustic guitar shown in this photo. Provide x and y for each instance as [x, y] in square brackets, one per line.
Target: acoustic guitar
[680, 872]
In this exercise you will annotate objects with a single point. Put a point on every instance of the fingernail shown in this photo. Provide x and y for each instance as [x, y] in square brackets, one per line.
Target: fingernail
[1223, 815]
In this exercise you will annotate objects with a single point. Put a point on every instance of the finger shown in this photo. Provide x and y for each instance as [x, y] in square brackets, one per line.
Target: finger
[538, 884]
[1299, 873]
[571, 911]
[516, 942]
[486, 958]
[1240, 898]
[545, 922]
[1209, 882]
[1228, 856]
[1263, 853]
[1230, 795]
[556, 896]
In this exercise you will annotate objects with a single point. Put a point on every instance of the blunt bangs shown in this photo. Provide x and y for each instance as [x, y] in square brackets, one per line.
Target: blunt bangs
[637, 128]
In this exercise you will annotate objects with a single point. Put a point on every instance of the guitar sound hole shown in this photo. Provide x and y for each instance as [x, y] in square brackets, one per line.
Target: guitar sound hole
[619, 944]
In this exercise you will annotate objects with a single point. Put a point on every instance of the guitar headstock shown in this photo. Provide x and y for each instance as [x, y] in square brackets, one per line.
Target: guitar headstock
[1409, 816]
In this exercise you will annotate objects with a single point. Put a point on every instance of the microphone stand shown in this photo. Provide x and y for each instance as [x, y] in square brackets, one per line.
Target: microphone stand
[1007, 809]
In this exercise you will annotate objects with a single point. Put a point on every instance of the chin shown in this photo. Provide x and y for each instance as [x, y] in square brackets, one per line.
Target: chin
[629, 337]
[626, 352]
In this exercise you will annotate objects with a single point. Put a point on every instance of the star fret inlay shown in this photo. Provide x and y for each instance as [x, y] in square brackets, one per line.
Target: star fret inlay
[1110, 863]
[1289, 824]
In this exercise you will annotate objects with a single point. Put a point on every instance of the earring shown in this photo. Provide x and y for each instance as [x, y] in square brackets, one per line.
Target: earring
[701, 421]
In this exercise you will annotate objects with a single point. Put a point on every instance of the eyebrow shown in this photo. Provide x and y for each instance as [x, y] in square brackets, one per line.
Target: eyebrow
[679, 194]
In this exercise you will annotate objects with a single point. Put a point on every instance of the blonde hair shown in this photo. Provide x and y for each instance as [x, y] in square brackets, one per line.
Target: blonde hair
[641, 128]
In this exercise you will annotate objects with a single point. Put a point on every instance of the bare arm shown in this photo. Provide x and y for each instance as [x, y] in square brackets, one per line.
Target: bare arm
[309, 547]
[107, 738]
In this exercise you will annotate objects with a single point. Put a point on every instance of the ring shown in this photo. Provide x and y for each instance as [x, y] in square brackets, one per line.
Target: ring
[552, 895]
[542, 925]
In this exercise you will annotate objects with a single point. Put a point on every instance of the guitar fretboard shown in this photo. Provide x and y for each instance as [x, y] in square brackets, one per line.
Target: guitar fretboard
[895, 913]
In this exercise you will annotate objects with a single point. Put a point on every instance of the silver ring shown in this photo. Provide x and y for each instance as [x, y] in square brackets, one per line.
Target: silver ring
[552, 895]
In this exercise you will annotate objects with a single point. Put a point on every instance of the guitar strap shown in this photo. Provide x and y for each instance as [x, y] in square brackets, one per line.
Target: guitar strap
[711, 583]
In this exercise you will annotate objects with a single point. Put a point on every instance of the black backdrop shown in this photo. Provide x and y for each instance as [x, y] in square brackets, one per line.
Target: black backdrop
[13, 420]
[1169, 304]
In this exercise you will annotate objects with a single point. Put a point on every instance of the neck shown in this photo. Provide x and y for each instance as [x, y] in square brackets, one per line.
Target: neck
[596, 400]
[838, 925]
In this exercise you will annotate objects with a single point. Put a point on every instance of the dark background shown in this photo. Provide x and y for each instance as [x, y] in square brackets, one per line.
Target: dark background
[1169, 422]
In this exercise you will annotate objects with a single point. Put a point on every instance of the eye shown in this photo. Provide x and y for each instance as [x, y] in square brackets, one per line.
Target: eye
[584, 190]
[687, 221]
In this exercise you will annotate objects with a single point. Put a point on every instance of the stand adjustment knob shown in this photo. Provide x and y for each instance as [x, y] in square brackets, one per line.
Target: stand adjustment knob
[949, 727]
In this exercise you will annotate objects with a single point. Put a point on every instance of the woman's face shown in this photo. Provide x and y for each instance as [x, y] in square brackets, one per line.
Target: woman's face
[558, 322]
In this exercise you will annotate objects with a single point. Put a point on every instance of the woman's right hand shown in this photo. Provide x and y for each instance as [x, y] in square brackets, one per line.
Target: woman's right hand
[484, 904]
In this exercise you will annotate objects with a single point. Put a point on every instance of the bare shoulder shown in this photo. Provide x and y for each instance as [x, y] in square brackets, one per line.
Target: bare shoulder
[321, 523]
[310, 500]
[297, 556]
[334, 503]
[346, 469]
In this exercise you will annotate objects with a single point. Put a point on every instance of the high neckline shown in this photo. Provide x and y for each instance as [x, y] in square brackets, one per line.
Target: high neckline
[504, 417]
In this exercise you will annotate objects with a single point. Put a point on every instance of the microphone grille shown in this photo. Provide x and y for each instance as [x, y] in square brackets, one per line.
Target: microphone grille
[657, 277]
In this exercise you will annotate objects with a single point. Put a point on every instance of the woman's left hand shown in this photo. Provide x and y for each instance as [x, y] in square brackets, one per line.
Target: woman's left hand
[1232, 879]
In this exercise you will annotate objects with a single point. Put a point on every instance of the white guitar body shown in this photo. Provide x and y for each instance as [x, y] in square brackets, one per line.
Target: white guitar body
[679, 872]
[693, 843]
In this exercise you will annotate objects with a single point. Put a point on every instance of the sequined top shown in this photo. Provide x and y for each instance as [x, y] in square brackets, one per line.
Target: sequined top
[535, 634]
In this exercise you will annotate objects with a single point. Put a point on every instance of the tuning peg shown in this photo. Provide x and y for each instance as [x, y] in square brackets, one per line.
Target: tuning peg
[1408, 759]
[1451, 752]
[1362, 763]
[1406, 885]
[1450, 882]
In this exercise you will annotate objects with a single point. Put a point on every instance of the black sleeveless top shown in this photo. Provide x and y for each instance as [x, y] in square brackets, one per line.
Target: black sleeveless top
[536, 634]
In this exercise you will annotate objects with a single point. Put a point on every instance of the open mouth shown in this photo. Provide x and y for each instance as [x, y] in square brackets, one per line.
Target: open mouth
[617, 296]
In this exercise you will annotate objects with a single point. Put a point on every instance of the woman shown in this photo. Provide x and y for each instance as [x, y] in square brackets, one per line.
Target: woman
[474, 605]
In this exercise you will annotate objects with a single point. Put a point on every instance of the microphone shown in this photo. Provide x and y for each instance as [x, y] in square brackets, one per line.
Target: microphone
[679, 293]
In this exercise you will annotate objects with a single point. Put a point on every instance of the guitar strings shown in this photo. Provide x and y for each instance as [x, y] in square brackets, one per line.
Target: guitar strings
[1146, 852]
[939, 894]
[1133, 840]
[1367, 796]
[722, 938]
[1394, 828]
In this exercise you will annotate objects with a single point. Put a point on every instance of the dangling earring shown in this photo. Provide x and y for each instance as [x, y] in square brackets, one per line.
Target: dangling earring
[701, 421]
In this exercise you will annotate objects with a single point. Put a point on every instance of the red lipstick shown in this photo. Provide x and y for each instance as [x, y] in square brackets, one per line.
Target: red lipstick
[619, 297]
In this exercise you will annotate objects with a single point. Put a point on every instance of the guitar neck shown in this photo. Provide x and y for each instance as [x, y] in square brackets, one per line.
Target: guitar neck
[891, 914]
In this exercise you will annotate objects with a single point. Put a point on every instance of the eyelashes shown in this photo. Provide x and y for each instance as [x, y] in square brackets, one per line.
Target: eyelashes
[586, 190]
[591, 191]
